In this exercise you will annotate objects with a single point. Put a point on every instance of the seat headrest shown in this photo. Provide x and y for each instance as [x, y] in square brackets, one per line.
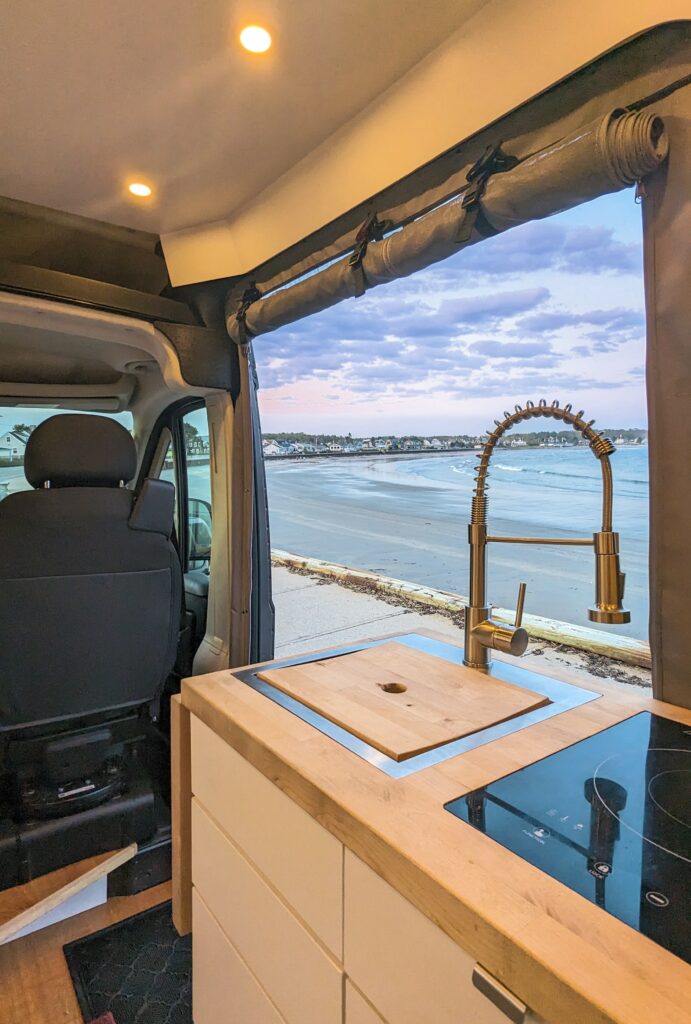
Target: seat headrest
[76, 450]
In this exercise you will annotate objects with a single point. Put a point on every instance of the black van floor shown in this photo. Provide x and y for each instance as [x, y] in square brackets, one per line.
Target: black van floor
[139, 970]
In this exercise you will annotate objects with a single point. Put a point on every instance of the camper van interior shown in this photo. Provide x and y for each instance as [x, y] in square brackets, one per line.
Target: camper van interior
[243, 785]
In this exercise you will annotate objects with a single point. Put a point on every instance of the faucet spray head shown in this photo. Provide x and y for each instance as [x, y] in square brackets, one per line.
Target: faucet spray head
[609, 581]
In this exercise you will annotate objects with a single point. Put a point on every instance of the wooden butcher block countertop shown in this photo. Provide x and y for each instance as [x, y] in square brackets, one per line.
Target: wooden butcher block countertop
[568, 960]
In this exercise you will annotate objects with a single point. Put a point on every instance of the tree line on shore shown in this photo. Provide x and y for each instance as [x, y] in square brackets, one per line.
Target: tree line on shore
[532, 439]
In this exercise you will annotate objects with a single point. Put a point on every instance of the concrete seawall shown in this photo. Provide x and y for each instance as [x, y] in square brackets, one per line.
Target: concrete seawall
[624, 649]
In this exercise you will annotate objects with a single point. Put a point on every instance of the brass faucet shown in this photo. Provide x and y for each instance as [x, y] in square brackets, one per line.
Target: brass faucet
[482, 634]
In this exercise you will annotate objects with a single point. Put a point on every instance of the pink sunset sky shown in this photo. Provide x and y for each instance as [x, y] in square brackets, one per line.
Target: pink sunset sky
[552, 309]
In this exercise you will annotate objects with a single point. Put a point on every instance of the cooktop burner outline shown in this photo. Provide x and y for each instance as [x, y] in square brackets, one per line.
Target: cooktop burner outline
[670, 771]
[615, 814]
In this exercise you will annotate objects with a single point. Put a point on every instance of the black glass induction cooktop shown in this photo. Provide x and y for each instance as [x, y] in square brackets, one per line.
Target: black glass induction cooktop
[610, 817]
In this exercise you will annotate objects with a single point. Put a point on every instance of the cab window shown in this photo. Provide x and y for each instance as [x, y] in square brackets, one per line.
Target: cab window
[17, 423]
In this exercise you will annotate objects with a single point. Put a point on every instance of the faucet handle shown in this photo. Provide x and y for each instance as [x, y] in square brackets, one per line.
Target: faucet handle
[519, 604]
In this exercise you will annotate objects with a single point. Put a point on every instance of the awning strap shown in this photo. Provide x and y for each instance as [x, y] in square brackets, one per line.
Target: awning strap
[250, 295]
[372, 230]
[492, 161]
[611, 153]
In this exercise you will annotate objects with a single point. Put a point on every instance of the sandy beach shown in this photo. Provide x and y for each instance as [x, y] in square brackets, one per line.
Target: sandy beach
[407, 517]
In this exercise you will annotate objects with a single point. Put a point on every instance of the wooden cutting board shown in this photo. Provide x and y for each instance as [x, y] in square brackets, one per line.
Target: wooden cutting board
[400, 700]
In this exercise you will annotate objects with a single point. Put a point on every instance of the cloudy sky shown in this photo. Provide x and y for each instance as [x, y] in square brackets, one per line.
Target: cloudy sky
[553, 309]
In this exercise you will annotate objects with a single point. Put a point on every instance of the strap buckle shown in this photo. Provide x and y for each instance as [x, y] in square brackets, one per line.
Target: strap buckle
[492, 161]
[372, 230]
[250, 295]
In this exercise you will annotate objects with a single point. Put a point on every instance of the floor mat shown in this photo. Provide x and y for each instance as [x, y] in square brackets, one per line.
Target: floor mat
[139, 970]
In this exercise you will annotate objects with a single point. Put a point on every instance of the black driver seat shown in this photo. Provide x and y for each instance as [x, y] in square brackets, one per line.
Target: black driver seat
[90, 592]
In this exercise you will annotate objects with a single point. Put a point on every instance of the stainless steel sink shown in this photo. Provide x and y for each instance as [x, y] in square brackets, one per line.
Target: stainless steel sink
[563, 697]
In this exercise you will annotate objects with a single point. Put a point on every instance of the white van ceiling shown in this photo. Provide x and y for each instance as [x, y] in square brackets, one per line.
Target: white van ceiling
[96, 95]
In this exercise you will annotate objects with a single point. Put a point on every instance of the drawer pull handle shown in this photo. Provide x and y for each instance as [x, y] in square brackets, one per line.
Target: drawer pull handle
[503, 999]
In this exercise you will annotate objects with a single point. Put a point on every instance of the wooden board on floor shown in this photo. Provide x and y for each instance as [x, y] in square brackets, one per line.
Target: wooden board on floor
[25, 904]
[20, 897]
[400, 700]
[35, 982]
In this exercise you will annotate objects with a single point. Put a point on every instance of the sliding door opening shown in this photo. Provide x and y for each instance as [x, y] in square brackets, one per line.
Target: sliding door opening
[373, 412]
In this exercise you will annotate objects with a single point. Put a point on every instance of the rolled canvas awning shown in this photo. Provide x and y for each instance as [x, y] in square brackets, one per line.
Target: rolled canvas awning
[612, 153]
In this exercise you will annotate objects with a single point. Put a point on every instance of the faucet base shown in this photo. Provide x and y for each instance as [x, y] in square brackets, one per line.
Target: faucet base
[475, 654]
[613, 617]
[480, 667]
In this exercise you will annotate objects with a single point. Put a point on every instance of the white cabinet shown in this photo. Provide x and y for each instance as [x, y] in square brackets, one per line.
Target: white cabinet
[223, 987]
[289, 848]
[409, 969]
[297, 974]
[291, 928]
[357, 1009]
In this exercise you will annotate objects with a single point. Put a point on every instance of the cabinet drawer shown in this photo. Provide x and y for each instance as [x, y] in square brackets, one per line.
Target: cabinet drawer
[297, 974]
[300, 859]
[358, 1010]
[222, 986]
[406, 966]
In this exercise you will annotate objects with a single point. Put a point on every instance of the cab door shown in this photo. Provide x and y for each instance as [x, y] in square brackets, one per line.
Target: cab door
[179, 451]
[217, 467]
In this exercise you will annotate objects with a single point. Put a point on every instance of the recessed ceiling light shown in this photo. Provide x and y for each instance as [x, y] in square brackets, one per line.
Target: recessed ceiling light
[255, 39]
[139, 189]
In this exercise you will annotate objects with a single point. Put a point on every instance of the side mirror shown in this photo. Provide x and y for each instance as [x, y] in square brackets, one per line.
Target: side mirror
[199, 529]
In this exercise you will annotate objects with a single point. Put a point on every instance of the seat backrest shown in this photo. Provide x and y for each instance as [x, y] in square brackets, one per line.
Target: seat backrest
[90, 581]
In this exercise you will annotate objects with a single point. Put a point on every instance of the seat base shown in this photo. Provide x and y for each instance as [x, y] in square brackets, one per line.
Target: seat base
[41, 800]
[32, 848]
[151, 864]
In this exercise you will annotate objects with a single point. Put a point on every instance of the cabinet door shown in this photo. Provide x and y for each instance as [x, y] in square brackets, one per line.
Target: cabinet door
[406, 966]
[299, 858]
[297, 974]
[358, 1010]
[223, 989]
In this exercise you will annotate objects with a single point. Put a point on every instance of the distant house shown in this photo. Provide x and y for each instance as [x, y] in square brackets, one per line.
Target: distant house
[198, 445]
[302, 448]
[333, 447]
[383, 444]
[272, 448]
[13, 444]
[368, 444]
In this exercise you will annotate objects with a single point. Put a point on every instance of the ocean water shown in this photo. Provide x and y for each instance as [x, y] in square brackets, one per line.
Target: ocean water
[407, 516]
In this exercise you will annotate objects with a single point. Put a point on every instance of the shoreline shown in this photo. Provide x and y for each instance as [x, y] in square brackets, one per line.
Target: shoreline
[427, 452]
[602, 655]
